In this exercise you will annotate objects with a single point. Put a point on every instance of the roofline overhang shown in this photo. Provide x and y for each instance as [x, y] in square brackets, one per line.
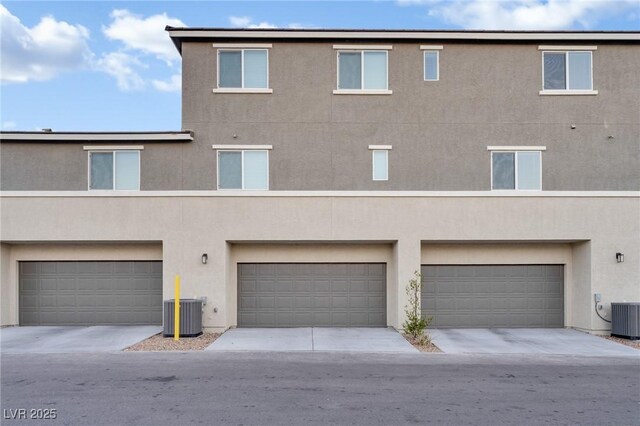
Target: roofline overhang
[123, 137]
[178, 34]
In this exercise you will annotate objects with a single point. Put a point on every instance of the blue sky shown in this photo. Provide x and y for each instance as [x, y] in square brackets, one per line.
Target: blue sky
[98, 65]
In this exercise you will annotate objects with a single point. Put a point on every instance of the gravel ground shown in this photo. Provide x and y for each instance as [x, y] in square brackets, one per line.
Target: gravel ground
[159, 343]
[631, 343]
[422, 348]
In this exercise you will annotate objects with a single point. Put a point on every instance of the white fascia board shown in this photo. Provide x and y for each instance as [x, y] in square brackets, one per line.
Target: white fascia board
[404, 35]
[89, 137]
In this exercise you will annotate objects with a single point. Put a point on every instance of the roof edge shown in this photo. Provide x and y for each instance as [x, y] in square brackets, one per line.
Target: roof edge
[48, 136]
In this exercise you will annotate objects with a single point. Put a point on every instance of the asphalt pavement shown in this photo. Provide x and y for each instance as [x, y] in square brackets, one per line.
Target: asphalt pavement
[221, 388]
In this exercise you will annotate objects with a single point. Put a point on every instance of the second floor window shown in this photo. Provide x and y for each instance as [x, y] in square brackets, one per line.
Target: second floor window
[431, 65]
[243, 69]
[567, 71]
[248, 169]
[362, 70]
[114, 170]
[516, 170]
[380, 164]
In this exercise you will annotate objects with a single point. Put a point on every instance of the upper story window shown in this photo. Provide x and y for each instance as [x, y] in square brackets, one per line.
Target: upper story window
[243, 69]
[362, 71]
[431, 61]
[566, 72]
[519, 170]
[243, 169]
[380, 163]
[114, 170]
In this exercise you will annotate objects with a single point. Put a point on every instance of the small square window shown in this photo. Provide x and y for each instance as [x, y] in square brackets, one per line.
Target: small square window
[119, 170]
[243, 69]
[519, 170]
[247, 169]
[431, 65]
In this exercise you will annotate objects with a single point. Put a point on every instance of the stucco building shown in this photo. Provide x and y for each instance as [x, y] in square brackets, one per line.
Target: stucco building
[317, 170]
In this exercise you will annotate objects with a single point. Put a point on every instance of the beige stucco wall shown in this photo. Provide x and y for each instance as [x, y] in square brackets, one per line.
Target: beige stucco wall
[221, 225]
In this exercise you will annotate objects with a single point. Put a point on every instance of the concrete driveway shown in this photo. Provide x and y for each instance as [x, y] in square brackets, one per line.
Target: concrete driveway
[547, 341]
[61, 339]
[312, 339]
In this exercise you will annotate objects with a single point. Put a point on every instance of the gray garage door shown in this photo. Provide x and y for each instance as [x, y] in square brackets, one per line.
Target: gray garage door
[312, 294]
[90, 293]
[494, 295]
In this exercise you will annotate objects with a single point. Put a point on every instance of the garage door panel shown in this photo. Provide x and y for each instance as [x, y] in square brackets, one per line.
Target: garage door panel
[310, 294]
[90, 293]
[493, 295]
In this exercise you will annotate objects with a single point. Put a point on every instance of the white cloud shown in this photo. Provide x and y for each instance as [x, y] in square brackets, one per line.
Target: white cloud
[145, 35]
[239, 21]
[43, 51]
[121, 66]
[9, 125]
[174, 84]
[524, 14]
[247, 22]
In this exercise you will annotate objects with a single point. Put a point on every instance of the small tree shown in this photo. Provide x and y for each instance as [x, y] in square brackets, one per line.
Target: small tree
[416, 324]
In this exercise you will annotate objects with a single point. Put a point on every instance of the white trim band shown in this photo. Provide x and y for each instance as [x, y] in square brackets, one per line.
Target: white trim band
[363, 47]
[240, 90]
[113, 147]
[325, 194]
[567, 48]
[387, 147]
[362, 92]
[568, 92]
[431, 47]
[238, 147]
[516, 148]
[242, 46]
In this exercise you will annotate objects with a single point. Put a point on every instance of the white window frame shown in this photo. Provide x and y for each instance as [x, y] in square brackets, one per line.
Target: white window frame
[515, 169]
[373, 164]
[361, 90]
[242, 152]
[566, 90]
[113, 152]
[241, 89]
[424, 65]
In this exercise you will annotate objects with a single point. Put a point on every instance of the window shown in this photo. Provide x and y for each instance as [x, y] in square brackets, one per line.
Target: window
[243, 169]
[109, 170]
[516, 170]
[362, 70]
[243, 69]
[431, 65]
[567, 71]
[380, 164]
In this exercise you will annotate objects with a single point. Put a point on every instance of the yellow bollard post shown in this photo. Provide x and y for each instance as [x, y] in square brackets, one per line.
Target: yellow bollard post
[176, 310]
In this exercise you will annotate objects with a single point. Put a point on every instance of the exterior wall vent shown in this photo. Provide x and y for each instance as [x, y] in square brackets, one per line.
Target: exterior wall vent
[625, 320]
[190, 317]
